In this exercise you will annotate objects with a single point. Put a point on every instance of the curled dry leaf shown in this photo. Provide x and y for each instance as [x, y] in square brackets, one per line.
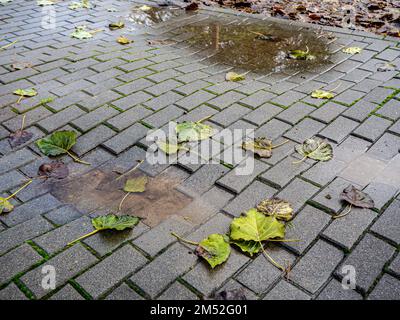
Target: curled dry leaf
[123, 40]
[233, 76]
[357, 198]
[116, 25]
[144, 8]
[315, 149]
[110, 222]
[54, 169]
[192, 7]
[261, 146]
[19, 137]
[386, 66]
[275, 207]
[321, 94]
[352, 50]
[21, 65]
[233, 294]
[215, 249]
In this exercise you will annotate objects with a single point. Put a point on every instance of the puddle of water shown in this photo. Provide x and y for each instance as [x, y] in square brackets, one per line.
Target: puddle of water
[99, 190]
[239, 45]
[152, 16]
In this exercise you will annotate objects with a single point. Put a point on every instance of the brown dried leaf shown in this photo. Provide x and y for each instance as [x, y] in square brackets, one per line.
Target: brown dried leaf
[357, 198]
[54, 169]
[19, 137]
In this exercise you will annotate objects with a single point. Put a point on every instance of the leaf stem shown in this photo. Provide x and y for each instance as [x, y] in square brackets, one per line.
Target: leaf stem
[19, 99]
[204, 119]
[23, 122]
[8, 45]
[343, 214]
[276, 264]
[83, 237]
[131, 170]
[184, 240]
[76, 159]
[122, 201]
[300, 161]
[23, 187]
[280, 144]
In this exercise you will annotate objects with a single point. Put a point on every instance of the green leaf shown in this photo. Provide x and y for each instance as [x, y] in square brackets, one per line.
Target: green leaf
[275, 207]
[136, 184]
[260, 146]
[26, 92]
[255, 226]
[352, 50]
[193, 131]
[233, 76]
[116, 25]
[300, 55]
[169, 147]
[114, 222]
[214, 249]
[251, 247]
[57, 143]
[81, 32]
[5, 205]
[321, 94]
[316, 149]
[357, 198]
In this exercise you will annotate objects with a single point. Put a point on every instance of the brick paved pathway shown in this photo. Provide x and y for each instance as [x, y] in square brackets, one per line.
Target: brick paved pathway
[112, 94]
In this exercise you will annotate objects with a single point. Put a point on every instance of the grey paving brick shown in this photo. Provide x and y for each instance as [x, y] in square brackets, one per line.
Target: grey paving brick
[226, 99]
[63, 215]
[260, 274]
[163, 116]
[234, 285]
[272, 129]
[381, 193]
[324, 172]
[395, 265]
[177, 291]
[295, 113]
[372, 128]
[94, 118]
[288, 98]
[386, 147]
[103, 276]
[61, 118]
[230, 115]
[163, 87]
[57, 239]
[136, 65]
[328, 112]
[11, 292]
[206, 280]
[390, 109]
[395, 128]
[388, 288]
[306, 226]
[262, 114]
[163, 100]
[378, 95]
[347, 230]
[366, 85]
[134, 86]
[297, 193]
[67, 264]
[31, 209]
[92, 139]
[129, 117]
[368, 258]
[349, 97]
[126, 138]
[90, 103]
[335, 291]
[388, 224]
[11, 180]
[313, 270]
[339, 129]
[194, 100]
[123, 292]
[31, 117]
[250, 197]
[132, 100]
[152, 281]
[15, 160]
[283, 172]
[67, 293]
[16, 261]
[257, 99]
[286, 291]
[388, 54]
[351, 148]
[305, 129]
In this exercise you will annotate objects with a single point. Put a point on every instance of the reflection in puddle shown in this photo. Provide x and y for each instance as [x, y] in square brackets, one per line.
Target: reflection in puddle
[152, 15]
[254, 46]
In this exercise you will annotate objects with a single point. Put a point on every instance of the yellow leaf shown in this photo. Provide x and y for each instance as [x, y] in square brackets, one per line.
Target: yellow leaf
[352, 50]
[233, 76]
[321, 94]
[123, 40]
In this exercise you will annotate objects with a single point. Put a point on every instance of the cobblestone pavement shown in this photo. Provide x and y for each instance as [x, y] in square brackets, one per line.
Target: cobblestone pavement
[112, 94]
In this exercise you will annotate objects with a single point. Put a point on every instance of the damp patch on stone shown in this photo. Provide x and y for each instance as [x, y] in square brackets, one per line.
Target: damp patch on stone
[152, 15]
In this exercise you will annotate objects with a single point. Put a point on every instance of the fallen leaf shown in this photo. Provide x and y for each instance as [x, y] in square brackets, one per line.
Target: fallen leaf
[300, 55]
[45, 2]
[81, 33]
[5, 1]
[233, 76]
[21, 65]
[19, 137]
[386, 66]
[169, 147]
[275, 207]
[260, 146]
[265, 37]
[192, 7]
[58, 143]
[116, 25]
[26, 92]
[321, 94]
[123, 40]
[145, 8]
[136, 184]
[357, 198]
[352, 50]
[193, 131]
[112, 10]
[79, 5]
[110, 222]
[54, 169]
[233, 294]
[250, 247]
[316, 149]
[215, 249]
[5, 205]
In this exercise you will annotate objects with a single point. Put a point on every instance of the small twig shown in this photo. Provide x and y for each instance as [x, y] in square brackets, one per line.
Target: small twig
[343, 214]
[131, 170]
[23, 122]
[184, 240]
[122, 201]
